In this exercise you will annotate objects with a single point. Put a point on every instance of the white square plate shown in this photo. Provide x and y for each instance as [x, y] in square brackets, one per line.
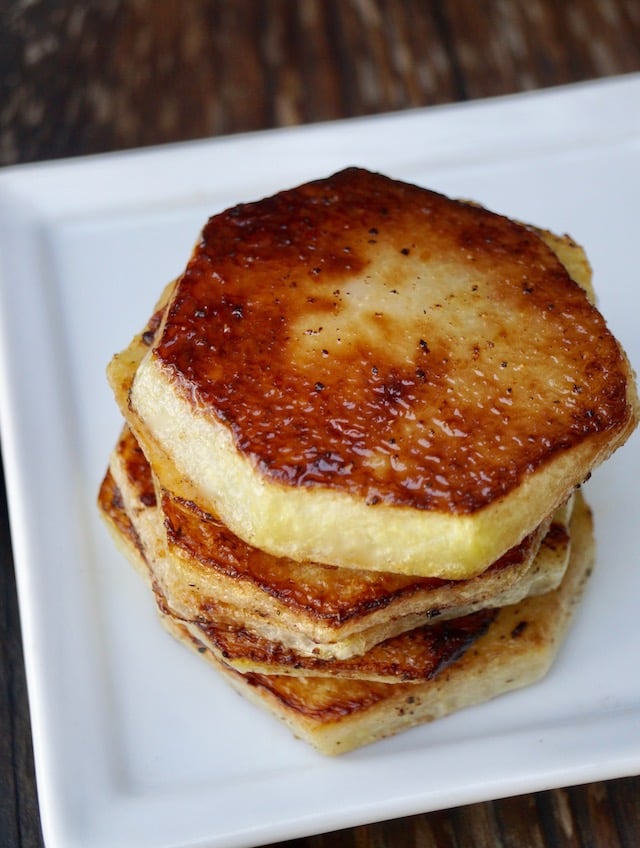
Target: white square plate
[136, 741]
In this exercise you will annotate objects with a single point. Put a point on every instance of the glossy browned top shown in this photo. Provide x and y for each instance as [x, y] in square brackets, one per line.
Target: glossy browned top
[494, 362]
[417, 655]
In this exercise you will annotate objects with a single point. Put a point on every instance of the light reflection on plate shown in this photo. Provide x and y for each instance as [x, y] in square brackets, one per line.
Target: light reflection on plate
[137, 741]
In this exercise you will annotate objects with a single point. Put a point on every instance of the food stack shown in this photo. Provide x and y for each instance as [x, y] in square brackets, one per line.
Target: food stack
[355, 432]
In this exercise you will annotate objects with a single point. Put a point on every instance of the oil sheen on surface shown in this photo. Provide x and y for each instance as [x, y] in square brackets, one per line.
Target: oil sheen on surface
[372, 336]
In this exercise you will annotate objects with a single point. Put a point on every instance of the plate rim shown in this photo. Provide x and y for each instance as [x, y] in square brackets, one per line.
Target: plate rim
[18, 192]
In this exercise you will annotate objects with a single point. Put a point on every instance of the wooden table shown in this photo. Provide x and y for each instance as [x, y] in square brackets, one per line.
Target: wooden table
[83, 77]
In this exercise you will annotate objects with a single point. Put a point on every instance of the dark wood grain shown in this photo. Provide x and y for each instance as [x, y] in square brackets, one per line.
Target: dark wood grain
[85, 77]
[19, 820]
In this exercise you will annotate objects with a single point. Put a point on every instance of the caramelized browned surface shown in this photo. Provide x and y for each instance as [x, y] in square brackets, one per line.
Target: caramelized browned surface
[137, 468]
[557, 536]
[500, 372]
[110, 502]
[324, 591]
[528, 631]
[417, 655]
[326, 699]
[522, 636]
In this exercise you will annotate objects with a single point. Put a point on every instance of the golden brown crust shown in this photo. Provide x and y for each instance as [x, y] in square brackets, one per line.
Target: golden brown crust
[412, 657]
[327, 593]
[337, 716]
[258, 337]
[314, 609]
[112, 509]
[362, 403]
[113, 512]
[415, 656]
